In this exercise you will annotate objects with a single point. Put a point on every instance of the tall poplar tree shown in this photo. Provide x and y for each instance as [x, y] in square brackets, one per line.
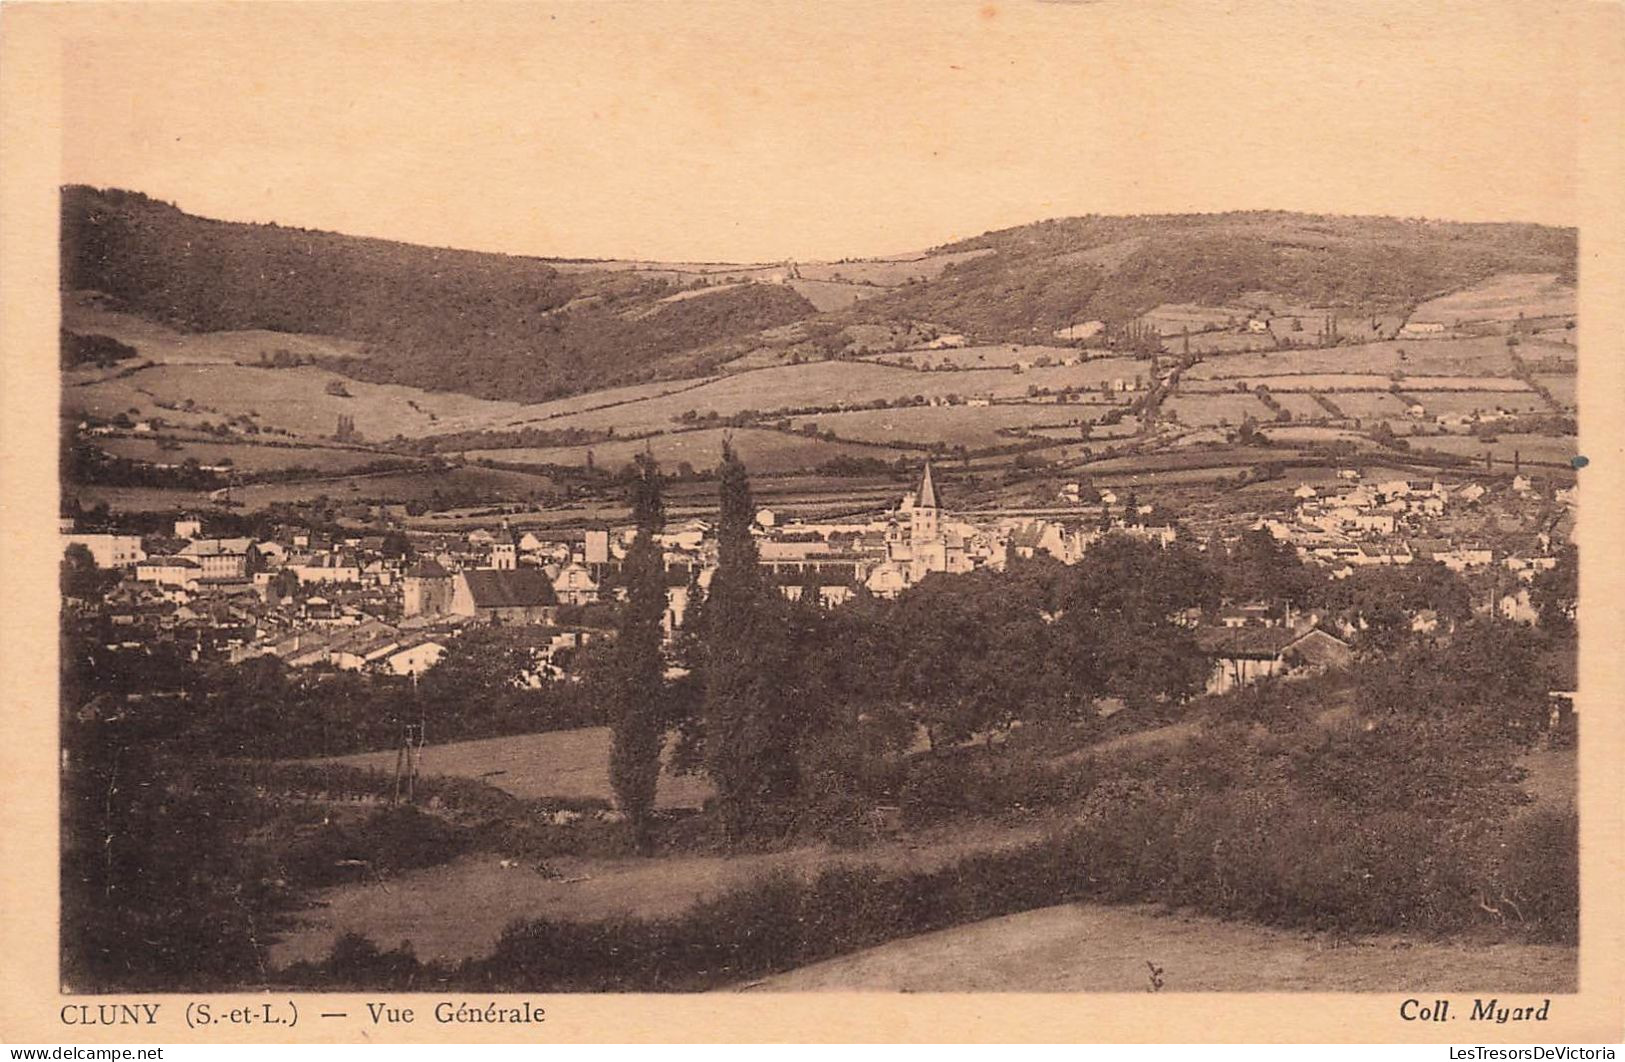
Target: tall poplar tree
[749, 728]
[639, 670]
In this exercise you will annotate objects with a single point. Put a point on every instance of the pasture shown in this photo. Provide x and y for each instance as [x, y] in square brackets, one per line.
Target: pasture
[1550, 450]
[1453, 402]
[1370, 405]
[1486, 355]
[87, 315]
[560, 763]
[1301, 406]
[1503, 297]
[1564, 388]
[830, 385]
[994, 356]
[1100, 948]
[245, 457]
[1172, 318]
[762, 450]
[1497, 384]
[1300, 381]
[827, 295]
[1215, 409]
[974, 427]
[295, 401]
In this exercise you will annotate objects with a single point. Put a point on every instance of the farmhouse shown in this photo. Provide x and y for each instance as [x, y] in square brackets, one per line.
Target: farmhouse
[488, 595]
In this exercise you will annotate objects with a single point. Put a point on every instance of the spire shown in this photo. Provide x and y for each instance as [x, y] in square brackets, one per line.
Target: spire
[927, 496]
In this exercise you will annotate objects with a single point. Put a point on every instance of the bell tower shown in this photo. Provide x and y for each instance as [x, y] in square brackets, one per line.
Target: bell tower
[505, 550]
[925, 518]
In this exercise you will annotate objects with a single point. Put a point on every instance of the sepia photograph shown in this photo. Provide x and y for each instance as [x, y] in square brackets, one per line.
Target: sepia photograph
[603, 498]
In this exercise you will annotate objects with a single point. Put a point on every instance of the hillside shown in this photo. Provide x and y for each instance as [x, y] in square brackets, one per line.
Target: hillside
[522, 329]
[489, 325]
[1051, 274]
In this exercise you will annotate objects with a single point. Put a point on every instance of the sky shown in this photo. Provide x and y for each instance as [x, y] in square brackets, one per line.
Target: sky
[765, 131]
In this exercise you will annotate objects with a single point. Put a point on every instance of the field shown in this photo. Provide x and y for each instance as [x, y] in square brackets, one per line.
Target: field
[1094, 948]
[824, 385]
[1504, 297]
[292, 400]
[1203, 410]
[974, 427]
[1563, 388]
[1171, 318]
[882, 272]
[156, 342]
[562, 763]
[1463, 383]
[763, 451]
[827, 295]
[1306, 381]
[246, 457]
[1480, 356]
[1369, 405]
[1301, 406]
[1442, 402]
[1556, 450]
[1289, 433]
[460, 909]
[1002, 355]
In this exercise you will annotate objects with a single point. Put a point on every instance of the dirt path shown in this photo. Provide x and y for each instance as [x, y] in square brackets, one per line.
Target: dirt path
[1089, 948]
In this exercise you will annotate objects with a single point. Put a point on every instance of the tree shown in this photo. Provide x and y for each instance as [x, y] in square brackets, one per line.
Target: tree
[81, 577]
[638, 717]
[1555, 593]
[749, 728]
[1118, 633]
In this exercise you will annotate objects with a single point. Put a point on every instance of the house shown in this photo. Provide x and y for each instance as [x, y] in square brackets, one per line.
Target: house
[1243, 655]
[1422, 328]
[574, 585]
[221, 558]
[168, 571]
[886, 579]
[489, 595]
[1383, 553]
[109, 551]
[596, 547]
[329, 568]
[415, 659]
[189, 527]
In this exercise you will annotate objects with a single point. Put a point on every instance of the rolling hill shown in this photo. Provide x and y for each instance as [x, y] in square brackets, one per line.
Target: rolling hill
[1046, 276]
[489, 325]
[528, 329]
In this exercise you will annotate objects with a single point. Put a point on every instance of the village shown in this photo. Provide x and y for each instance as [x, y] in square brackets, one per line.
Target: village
[392, 602]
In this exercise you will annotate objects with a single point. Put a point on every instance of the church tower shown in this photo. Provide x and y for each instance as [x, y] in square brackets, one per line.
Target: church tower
[924, 519]
[505, 550]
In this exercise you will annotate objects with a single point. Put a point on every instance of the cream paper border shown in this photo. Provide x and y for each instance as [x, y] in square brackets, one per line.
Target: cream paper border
[31, 60]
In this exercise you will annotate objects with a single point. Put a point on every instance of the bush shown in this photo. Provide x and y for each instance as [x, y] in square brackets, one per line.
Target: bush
[1537, 876]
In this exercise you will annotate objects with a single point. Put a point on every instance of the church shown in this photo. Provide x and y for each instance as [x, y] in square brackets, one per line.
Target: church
[922, 544]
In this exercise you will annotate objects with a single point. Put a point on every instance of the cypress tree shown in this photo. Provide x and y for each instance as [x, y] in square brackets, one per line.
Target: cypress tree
[639, 670]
